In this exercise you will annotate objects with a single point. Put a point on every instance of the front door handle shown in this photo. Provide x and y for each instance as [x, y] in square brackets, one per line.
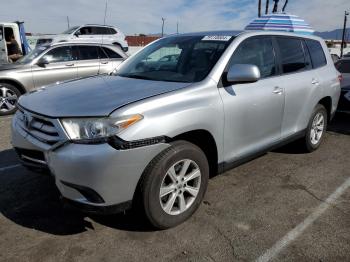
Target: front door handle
[278, 90]
[104, 63]
[70, 64]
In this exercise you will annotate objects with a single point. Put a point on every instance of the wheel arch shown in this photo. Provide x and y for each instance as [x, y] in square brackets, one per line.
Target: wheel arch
[327, 103]
[15, 83]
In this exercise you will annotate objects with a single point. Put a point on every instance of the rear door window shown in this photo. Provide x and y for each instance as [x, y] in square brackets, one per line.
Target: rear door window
[257, 51]
[100, 30]
[88, 52]
[316, 51]
[343, 66]
[292, 55]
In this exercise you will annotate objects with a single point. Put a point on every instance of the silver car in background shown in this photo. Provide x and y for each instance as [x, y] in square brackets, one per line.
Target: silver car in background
[54, 63]
[152, 135]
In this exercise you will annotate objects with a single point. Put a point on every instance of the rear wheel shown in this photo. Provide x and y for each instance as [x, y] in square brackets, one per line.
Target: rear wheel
[174, 184]
[9, 95]
[316, 128]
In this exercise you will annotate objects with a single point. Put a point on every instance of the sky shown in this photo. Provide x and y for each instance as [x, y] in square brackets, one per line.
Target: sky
[144, 16]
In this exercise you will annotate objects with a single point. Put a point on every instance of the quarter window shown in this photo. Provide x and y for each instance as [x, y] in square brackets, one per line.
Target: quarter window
[256, 51]
[292, 55]
[317, 55]
[59, 54]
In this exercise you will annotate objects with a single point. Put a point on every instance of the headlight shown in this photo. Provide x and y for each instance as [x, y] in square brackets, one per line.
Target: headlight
[97, 129]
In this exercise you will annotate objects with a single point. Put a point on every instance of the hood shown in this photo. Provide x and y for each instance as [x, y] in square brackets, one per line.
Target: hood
[93, 96]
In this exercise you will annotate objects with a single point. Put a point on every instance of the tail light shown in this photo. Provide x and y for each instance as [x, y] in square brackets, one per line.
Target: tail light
[340, 78]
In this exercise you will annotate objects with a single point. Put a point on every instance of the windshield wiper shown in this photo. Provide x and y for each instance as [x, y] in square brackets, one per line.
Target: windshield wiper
[136, 76]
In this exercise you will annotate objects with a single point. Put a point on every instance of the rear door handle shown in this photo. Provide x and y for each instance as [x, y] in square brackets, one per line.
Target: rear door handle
[70, 64]
[104, 63]
[315, 81]
[278, 90]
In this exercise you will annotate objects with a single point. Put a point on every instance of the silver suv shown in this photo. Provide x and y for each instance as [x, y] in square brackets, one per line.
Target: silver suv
[152, 135]
[48, 64]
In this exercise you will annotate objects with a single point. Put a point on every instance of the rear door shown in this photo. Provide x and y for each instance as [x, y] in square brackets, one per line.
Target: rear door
[110, 62]
[299, 82]
[88, 63]
[61, 66]
[3, 51]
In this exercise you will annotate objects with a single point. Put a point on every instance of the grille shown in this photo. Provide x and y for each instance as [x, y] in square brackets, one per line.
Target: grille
[40, 128]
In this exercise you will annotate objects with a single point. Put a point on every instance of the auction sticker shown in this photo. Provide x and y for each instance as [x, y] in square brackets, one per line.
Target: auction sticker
[216, 38]
[347, 96]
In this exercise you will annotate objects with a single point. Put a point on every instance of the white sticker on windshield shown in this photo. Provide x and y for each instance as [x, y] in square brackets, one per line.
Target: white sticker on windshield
[216, 38]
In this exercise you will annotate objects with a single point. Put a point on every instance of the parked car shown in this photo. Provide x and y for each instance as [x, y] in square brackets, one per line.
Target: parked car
[343, 67]
[89, 33]
[151, 139]
[15, 29]
[53, 63]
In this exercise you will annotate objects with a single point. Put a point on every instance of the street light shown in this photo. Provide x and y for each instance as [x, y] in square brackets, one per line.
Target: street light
[163, 19]
[343, 37]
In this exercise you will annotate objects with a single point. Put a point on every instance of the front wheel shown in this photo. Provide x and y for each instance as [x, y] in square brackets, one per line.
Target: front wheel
[9, 95]
[316, 128]
[174, 184]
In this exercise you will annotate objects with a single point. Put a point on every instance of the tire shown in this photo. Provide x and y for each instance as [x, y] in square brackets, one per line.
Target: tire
[319, 115]
[9, 95]
[156, 177]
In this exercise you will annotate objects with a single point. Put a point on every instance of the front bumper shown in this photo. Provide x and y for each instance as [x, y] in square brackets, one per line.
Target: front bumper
[91, 174]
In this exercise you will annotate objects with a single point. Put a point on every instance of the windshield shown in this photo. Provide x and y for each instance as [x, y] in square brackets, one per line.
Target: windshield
[70, 30]
[32, 54]
[176, 59]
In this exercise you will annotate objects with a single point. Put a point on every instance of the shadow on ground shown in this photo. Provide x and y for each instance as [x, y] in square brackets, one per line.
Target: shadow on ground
[33, 201]
[340, 124]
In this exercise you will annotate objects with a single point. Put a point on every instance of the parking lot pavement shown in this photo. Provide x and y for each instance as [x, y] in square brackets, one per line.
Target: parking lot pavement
[283, 206]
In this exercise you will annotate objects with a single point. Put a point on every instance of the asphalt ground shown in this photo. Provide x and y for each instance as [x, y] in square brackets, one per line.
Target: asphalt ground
[283, 206]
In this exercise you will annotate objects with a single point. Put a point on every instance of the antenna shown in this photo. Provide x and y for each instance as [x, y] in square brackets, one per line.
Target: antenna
[104, 19]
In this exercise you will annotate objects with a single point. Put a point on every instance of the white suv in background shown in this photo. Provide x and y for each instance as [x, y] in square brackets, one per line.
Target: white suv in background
[89, 33]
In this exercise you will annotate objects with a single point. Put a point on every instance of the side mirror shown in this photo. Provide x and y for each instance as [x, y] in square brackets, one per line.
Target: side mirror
[243, 73]
[42, 62]
[77, 34]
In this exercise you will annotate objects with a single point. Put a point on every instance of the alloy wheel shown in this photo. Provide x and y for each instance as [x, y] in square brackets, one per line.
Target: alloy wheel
[180, 187]
[8, 99]
[317, 128]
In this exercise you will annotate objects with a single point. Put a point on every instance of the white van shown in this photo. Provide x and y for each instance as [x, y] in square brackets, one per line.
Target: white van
[6, 30]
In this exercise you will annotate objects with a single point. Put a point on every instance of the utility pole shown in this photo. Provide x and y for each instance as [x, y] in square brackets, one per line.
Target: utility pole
[68, 21]
[163, 19]
[343, 37]
[104, 19]
[259, 8]
[267, 7]
[177, 28]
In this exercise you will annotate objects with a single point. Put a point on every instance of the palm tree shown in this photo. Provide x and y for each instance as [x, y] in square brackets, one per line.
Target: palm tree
[259, 8]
